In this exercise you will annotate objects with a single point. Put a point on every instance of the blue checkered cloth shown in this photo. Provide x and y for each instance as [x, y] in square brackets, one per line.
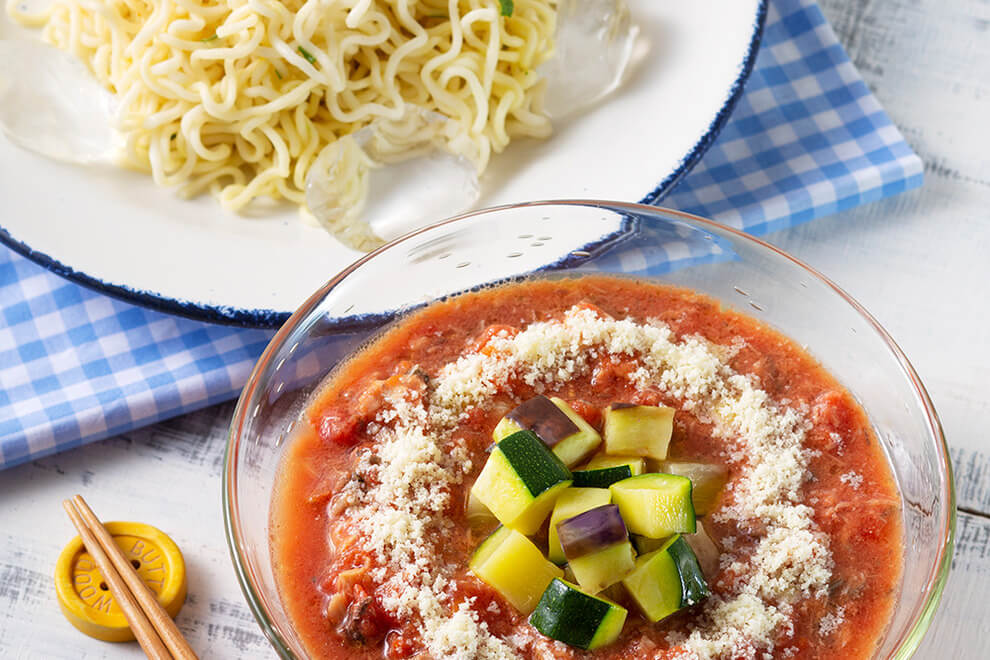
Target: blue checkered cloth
[806, 139]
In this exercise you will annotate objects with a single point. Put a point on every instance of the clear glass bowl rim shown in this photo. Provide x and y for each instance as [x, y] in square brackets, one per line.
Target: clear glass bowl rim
[935, 584]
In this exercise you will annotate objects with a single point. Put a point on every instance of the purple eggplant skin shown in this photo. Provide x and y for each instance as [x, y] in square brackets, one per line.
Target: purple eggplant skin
[591, 531]
[541, 416]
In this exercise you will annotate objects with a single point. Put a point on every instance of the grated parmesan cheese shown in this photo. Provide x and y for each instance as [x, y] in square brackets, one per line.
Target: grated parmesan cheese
[852, 478]
[764, 440]
[400, 518]
[831, 621]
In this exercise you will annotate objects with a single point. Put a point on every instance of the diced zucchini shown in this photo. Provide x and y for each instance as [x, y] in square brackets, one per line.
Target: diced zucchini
[569, 615]
[638, 430]
[478, 515]
[505, 428]
[645, 545]
[600, 461]
[655, 505]
[707, 481]
[602, 478]
[569, 436]
[615, 592]
[570, 503]
[694, 587]
[512, 565]
[521, 481]
[601, 569]
[705, 550]
[667, 580]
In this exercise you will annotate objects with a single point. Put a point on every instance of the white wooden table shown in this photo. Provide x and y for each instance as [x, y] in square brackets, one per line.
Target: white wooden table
[920, 262]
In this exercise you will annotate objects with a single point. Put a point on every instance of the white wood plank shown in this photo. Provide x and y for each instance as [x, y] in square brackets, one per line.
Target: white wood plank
[168, 476]
[972, 473]
[961, 630]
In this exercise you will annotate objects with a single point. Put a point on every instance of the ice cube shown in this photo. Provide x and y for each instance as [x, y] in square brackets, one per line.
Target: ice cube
[391, 177]
[50, 104]
[594, 41]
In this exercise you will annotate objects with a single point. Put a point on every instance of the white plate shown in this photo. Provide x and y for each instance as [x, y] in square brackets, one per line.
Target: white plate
[118, 232]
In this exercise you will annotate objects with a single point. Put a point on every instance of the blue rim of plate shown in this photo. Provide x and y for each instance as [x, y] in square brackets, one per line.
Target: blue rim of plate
[270, 318]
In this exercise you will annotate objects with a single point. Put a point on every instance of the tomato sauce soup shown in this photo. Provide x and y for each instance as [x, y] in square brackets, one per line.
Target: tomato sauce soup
[370, 530]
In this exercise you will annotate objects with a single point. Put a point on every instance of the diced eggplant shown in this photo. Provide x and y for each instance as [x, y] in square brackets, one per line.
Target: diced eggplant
[555, 422]
[514, 567]
[655, 505]
[667, 580]
[521, 481]
[602, 478]
[578, 447]
[601, 461]
[707, 481]
[570, 615]
[599, 570]
[638, 430]
[570, 503]
[540, 416]
[591, 531]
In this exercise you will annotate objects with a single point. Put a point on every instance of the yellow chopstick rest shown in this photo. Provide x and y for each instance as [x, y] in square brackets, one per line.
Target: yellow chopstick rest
[83, 595]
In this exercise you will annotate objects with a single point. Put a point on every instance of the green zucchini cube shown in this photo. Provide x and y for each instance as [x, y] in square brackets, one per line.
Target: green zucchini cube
[645, 545]
[637, 464]
[638, 430]
[705, 550]
[655, 505]
[512, 565]
[570, 503]
[667, 580]
[600, 478]
[701, 544]
[603, 568]
[478, 515]
[521, 482]
[570, 615]
[707, 482]
[568, 435]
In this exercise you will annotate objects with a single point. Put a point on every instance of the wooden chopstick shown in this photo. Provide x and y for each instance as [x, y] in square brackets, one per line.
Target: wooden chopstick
[149, 616]
[139, 623]
[159, 618]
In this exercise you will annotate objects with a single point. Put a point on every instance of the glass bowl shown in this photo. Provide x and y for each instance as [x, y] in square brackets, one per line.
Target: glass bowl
[562, 238]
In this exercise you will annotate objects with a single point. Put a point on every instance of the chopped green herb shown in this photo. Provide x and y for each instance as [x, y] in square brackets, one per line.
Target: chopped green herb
[173, 136]
[507, 7]
[277, 74]
[209, 39]
[309, 56]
